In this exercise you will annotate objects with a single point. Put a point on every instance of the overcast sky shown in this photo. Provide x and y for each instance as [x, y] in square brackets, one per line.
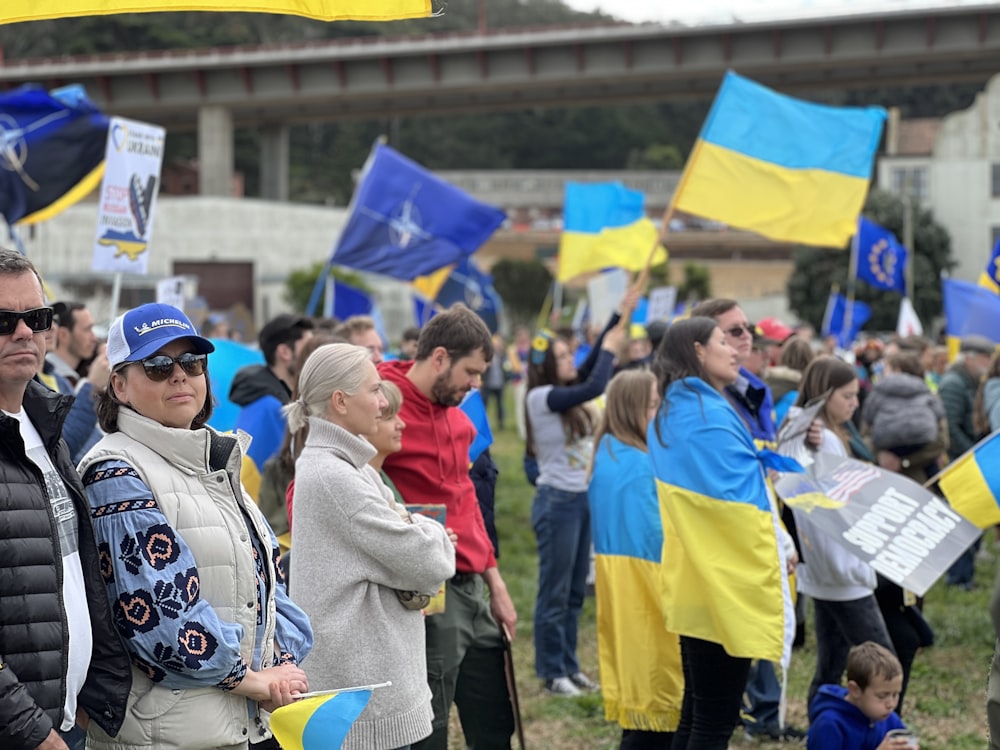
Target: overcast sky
[707, 11]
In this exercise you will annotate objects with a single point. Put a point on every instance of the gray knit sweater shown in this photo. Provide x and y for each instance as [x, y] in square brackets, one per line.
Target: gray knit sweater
[352, 549]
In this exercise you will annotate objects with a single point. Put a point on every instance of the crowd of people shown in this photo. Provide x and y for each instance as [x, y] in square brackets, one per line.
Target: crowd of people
[157, 590]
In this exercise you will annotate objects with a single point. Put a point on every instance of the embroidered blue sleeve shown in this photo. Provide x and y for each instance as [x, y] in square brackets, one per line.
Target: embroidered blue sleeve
[293, 633]
[172, 635]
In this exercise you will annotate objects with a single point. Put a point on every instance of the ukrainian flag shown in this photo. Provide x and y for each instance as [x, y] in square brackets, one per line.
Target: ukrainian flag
[642, 682]
[787, 169]
[605, 226]
[13, 11]
[990, 277]
[318, 723]
[723, 572]
[972, 483]
[969, 309]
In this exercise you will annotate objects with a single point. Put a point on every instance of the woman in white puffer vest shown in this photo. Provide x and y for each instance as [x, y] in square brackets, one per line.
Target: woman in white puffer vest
[187, 559]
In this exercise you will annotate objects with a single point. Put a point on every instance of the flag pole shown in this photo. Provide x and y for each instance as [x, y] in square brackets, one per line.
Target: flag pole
[852, 278]
[908, 233]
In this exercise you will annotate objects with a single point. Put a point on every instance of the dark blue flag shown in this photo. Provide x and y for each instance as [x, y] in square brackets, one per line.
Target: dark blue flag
[835, 319]
[473, 287]
[349, 300]
[881, 259]
[406, 222]
[51, 151]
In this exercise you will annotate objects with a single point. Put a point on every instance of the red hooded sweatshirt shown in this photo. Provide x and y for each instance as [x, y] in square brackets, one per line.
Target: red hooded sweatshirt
[433, 467]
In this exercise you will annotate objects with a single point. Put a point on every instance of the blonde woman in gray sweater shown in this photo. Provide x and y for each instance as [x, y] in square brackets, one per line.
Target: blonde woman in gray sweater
[360, 556]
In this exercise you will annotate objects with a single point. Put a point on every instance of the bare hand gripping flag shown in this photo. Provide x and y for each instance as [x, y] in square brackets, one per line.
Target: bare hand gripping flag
[790, 170]
[12, 11]
[406, 222]
[51, 151]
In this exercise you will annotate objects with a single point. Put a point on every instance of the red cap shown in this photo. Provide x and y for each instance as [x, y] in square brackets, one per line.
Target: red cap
[774, 329]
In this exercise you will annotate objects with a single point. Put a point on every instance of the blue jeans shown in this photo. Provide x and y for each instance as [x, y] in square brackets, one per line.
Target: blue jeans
[761, 699]
[561, 521]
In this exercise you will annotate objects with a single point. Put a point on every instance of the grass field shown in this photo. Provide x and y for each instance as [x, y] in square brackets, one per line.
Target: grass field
[946, 698]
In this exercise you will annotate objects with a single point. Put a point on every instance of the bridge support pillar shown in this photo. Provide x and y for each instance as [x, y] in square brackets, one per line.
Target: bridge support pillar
[274, 159]
[215, 150]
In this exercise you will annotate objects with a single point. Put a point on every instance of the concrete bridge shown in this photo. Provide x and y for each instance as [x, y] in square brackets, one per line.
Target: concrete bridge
[270, 88]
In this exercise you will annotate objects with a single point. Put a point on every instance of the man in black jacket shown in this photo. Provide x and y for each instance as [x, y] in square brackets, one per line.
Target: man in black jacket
[61, 661]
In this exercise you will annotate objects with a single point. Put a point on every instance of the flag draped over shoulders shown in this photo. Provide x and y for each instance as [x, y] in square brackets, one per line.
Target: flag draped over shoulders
[788, 169]
[723, 570]
[642, 682]
[13, 11]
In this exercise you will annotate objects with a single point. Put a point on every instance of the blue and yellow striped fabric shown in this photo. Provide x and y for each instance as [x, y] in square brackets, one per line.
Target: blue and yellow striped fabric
[723, 570]
[787, 169]
[605, 226]
[990, 277]
[972, 483]
[642, 682]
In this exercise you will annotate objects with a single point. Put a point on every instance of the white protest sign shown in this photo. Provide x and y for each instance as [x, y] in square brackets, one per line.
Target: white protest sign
[662, 302]
[901, 529]
[170, 291]
[132, 161]
[604, 292]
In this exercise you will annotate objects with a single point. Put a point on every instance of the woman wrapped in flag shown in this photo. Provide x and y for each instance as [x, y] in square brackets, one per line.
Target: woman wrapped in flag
[725, 560]
[640, 661]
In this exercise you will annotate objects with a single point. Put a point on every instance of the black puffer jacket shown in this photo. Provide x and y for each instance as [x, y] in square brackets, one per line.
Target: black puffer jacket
[33, 628]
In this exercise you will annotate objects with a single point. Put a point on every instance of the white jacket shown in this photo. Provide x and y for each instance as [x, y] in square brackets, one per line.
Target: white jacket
[827, 571]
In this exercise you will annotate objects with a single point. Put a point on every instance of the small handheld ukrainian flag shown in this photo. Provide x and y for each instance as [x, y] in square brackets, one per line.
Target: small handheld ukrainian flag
[318, 723]
[605, 226]
[972, 483]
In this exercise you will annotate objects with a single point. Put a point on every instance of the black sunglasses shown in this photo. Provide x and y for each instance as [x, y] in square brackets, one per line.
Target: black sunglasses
[39, 319]
[160, 367]
[737, 331]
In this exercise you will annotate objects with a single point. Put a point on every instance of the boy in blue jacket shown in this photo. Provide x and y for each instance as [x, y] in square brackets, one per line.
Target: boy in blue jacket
[860, 716]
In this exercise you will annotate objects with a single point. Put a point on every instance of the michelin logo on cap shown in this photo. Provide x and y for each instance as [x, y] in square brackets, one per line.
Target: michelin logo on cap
[162, 323]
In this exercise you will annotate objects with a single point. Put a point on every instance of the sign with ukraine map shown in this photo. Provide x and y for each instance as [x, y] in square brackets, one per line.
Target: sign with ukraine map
[133, 157]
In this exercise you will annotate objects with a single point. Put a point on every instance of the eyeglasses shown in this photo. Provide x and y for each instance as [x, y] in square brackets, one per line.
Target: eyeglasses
[39, 319]
[737, 331]
[161, 367]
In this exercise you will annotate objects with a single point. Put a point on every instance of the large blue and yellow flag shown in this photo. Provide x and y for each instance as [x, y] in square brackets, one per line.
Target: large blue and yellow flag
[969, 309]
[723, 572]
[13, 11]
[605, 226]
[881, 259]
[990, 277]
[642, 682]
[407, 222]
[790, 170]
[972, 483]
[318, 723]
[51, 151]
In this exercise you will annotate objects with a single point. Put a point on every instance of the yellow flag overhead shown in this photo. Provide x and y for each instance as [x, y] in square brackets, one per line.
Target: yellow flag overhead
[12, 11]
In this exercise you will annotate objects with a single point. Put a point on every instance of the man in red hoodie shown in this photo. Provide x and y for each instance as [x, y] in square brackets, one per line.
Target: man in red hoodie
[464, 650]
